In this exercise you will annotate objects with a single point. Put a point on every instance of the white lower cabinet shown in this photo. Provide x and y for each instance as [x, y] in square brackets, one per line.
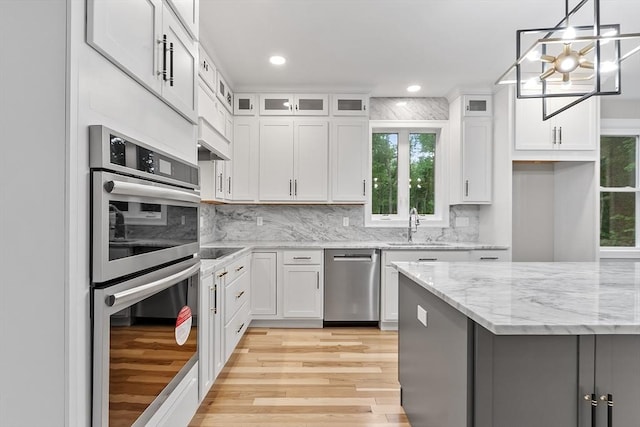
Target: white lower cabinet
[389, 278]
[302, 291]
[236, 306]
[263, 284]
[303, 284]
[209, 331]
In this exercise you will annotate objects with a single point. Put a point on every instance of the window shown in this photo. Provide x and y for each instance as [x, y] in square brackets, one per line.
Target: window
[619, 191]
[406, 172]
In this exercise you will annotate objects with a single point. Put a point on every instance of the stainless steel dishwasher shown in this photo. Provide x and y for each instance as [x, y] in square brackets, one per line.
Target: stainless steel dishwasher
[351, 285]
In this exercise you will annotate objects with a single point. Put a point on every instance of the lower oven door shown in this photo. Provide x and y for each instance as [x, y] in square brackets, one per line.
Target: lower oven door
[139, 224]
[144, 342]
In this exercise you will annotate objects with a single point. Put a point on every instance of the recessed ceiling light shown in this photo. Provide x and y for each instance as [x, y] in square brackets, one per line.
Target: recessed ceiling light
[277, 60]
[413, 88]
[401, 103]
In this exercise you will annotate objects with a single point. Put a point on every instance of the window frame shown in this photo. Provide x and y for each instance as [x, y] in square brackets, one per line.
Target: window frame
[628, 128]
[440, 217]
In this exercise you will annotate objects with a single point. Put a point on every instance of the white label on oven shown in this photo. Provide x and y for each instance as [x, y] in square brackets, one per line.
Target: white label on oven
[165, 167]
[183, 325]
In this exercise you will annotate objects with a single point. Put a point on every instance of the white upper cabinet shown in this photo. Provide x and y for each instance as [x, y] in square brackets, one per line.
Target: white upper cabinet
[477, 105]
[311, 160]
[244, 104]
[349, 160]
[311, 105]
[212, 122]
[127, 32]
[276, 104]
[276, 160]
[207, 70]
[477, 152]
[188, 13]
[349, 105]
[245, 159]
[182, 54]
[147, 42]
[471, 152]
[224, 93]
[294, 160]
[572, 130]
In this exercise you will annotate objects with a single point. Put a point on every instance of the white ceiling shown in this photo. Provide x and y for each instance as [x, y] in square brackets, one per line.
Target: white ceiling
[382, 46]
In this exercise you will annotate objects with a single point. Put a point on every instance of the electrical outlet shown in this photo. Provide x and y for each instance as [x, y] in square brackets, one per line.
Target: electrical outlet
[422, 316]
[259, 221]
[462, 221]
[345, 221]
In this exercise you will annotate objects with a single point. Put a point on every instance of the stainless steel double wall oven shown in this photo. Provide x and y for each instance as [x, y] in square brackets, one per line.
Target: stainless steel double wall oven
[145, 275]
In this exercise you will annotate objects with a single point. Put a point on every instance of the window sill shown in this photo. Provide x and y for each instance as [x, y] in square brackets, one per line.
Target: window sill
[622, 253]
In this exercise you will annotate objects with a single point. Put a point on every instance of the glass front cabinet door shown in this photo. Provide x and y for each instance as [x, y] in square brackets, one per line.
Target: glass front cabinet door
[244, 104]
[350, 105]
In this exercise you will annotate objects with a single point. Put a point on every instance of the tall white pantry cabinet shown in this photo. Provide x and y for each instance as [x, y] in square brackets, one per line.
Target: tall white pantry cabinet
[45, 290]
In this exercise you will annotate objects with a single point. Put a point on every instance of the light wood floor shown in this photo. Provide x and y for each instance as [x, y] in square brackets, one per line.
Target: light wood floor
[330, 377]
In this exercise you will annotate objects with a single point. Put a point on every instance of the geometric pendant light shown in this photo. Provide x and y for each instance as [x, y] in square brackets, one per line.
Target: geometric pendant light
[571, 62]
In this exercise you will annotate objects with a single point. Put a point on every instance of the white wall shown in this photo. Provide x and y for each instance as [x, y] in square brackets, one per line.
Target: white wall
[54, 86]
[33, 208]
[612, 107]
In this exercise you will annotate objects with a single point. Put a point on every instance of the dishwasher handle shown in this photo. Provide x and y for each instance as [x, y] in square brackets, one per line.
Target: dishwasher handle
[353, 257]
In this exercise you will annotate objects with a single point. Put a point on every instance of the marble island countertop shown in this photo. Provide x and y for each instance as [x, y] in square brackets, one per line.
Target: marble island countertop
[545, 298]
[247, 246]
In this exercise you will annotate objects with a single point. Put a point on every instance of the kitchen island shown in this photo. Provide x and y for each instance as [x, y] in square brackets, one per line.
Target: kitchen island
[520, 344]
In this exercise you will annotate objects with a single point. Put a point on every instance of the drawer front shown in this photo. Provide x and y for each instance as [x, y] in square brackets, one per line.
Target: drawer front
[425, 256]
[235, 329]
[238, 268]
[489, 255]
[235, 295]
[313, 257]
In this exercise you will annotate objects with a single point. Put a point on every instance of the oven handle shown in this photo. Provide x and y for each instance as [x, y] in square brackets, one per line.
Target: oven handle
[150, 288]
[142, 190]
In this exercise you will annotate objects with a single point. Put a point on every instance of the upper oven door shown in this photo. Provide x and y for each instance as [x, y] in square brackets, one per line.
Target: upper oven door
[139, 224]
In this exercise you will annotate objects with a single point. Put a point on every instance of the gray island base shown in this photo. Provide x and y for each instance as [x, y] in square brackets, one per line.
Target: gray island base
[520, 344]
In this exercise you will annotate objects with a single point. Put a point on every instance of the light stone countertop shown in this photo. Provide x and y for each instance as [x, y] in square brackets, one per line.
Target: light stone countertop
[208, 265]
[544, 298]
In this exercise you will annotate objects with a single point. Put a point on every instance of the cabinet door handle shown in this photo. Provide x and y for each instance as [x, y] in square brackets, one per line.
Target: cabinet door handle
[317, 280]
[554, 135]
[296, 107]
[215, 298]
[229, 185]
[364, 187]
[171, 64]
[489, 258]
[239, 295]
[221, 190]
[251, 107]
[466, 188]
[560, 135]
[295, 187]
[364, 107]
[240, 328]
[222, 274]
[164, 57]
[608, 399]
[239, 268]
[591, 400]
[301, 257]
[290, 188]
[427, 259]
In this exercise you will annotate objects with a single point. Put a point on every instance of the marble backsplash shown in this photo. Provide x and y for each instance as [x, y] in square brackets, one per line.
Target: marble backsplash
[408, 109]
[320, 223]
